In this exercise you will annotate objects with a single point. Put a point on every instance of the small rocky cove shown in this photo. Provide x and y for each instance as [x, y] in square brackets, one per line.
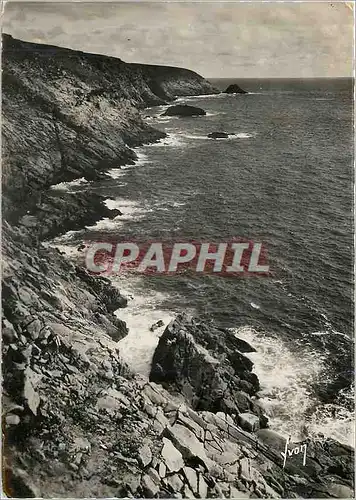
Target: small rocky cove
[77, 421]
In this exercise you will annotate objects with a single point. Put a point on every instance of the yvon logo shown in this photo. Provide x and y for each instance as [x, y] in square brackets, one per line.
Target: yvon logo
[288, 453]
[233, 258]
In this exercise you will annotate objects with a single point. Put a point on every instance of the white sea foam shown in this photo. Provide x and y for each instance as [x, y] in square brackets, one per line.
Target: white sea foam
[129, 209]
[335, 420]
[209, 113]
[202, 96]
[332, 332]
[116, 173]
[240, 135]
[141, 313]
[286, 380]
[164, 118]
[66, 186]
[191, 136]
[142, 159]
[66, 243]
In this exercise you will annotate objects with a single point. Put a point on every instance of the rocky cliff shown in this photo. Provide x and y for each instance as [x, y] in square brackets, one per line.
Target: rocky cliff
[77, 422]
[68, 114]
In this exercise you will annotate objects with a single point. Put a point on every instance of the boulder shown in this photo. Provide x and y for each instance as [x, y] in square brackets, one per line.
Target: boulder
[149, 486]
[192, 479]
[249, 422]
[12, 419]
[162, 469]
[272, 439]
[156, 325]
[186, 442]
[171, 456]
[29, 393]
[234, 89]
[184, 110]
[203, 487]
[218, 135]
[175, 482]
[145, 455]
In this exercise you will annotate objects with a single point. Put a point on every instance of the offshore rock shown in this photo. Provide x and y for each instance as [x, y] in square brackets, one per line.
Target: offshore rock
[184, 110]
[234, 89]
[218, 135]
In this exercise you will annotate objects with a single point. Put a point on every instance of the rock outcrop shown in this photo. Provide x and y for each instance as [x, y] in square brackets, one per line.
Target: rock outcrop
[218, 135]
[234, 89]
[184, 110]
[82, 425]
[205, 365]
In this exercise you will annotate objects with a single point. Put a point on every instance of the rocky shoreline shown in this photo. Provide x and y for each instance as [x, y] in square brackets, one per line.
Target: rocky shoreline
[77, 421]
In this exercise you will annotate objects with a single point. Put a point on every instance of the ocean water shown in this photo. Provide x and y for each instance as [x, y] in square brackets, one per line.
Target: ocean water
[285, 177]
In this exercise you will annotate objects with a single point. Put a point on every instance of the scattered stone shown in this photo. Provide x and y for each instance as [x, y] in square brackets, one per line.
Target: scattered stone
[339, 491]
[81, 444]
[202, 487]
[175, 482]
[154, 475]
[156, 325]
[12, 419]
[172, 457]
[162, 469]
[236, 494]
[31, 396]
[186, 442]
[78, 458]
[8, 331]
[249, 422]
[150, 488]
[145, 455]
[192, 479]
[72, 369]
[193, 426]
[187, 492]
[34, 328]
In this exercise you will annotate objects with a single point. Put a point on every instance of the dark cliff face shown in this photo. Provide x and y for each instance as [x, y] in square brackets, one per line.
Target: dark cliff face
[68, 114]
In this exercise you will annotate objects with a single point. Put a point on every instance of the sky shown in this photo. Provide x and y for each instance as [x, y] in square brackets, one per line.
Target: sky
[216, 39]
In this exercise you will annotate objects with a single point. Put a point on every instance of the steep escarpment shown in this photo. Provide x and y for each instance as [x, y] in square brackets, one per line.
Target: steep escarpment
[68, 114]
[77, 422]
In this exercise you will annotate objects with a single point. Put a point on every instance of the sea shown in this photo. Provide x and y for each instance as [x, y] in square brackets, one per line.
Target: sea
[285, 178]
